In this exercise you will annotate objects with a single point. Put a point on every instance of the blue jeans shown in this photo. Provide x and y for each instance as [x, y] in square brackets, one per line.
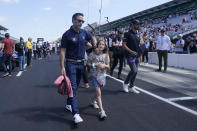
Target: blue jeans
[7, 57]
[21, 62]
[74, 72]
[133, 72]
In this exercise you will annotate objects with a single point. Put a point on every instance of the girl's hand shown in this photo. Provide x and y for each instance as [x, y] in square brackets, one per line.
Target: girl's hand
[100, 65]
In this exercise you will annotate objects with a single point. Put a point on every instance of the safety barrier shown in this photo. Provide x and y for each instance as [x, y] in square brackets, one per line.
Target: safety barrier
[185, 61]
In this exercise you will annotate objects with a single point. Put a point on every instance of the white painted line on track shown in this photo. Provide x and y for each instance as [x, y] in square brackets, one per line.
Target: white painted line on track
[182, 98]
[160, 98]
[19, 73]
[25, 65]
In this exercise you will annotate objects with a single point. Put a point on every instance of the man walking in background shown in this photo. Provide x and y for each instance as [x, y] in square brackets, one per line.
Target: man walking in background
[8, 47]
[118, 53]
[29, 52]
[131, 43]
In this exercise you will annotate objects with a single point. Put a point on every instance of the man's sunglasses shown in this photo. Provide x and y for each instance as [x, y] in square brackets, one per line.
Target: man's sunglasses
[80, 21]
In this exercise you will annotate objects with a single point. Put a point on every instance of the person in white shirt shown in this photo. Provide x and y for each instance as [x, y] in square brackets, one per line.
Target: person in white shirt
[39, 49]
[50, 48]
[163, 46]
[179, 44]
[34, 50]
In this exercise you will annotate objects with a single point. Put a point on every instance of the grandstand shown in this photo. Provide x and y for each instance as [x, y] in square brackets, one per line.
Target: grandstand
[159, 16]
[2, 36]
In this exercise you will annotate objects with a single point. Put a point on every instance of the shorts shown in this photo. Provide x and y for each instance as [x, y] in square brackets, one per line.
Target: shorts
[95, 83]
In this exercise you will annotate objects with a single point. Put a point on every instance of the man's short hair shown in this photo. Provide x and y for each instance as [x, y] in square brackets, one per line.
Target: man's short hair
[7, 35]
[21, 38]
[77, 14]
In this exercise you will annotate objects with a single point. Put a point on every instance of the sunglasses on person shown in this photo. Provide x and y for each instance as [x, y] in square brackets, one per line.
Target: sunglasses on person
[80, 21]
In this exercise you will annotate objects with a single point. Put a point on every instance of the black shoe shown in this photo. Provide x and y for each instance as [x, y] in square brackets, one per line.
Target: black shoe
[164, 71]
[10, 74]
[158, 70]
[111, 73]
[120, 78]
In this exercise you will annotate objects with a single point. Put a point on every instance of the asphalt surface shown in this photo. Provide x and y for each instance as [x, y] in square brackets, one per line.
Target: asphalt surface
[31, 103]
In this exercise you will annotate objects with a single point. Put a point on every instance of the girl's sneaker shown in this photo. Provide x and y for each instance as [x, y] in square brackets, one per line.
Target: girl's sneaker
[95, 105]
[102, 114]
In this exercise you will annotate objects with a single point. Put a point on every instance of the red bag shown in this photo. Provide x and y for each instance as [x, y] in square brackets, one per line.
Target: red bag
[64, 85]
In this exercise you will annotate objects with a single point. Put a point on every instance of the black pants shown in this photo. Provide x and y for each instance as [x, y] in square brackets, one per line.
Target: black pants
[163, 54]
[39, 53]
[117, 57]
[45, 53]
[85, 75]
[145, 54]
[35, 53]
[29, 55]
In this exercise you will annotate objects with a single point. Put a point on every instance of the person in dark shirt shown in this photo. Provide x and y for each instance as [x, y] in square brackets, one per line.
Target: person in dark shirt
[73, 45]
[193, 44]
[110, 47]
[44, 47]
[20, 48]
[131, 44]
[118, 53]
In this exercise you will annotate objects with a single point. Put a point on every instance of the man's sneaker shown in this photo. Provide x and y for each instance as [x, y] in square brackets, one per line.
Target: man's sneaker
[95, 105]
[68, 107]
[119, 77]
[86, 85]
[158, 70]
[164, 71]
[10, 74]
[102, 114]
[5, 74]
[133, 90]
[77, 119]
[125, 88]
[111, 73]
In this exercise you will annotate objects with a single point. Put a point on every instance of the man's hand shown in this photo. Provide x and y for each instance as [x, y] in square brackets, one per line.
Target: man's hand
[63, 72]
[94, 41]
[62, 58]
[129, 50]
[88, 46]
[134, 53]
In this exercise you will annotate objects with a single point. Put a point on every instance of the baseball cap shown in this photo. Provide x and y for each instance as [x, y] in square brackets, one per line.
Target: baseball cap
[136, 22]
[163, 30]
[120, 32]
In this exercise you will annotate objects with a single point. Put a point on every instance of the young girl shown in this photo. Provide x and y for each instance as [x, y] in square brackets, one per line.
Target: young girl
[98, 60]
